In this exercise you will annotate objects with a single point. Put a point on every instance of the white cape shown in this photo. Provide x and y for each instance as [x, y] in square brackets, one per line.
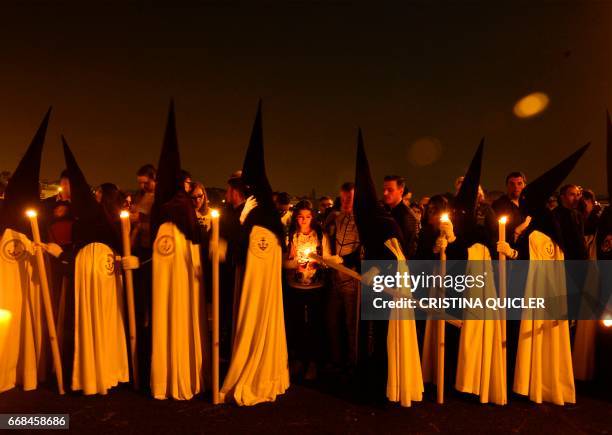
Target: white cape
[543, 368]
[22, 356]
[258, 369]
[176, 360]
[100, 351]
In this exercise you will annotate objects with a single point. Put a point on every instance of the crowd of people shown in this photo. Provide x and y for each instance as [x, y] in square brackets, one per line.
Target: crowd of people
[275, 276]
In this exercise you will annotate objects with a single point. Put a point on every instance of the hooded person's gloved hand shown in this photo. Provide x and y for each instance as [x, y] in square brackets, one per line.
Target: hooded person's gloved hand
[504, 248]
[368, 277]
[130, 262]
[441, 244]
[52, 249]
[222, 250]
[334, 259]
[249, 205]
[446, 229]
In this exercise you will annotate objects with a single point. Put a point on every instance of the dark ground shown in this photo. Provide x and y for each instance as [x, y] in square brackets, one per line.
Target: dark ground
[313, 410]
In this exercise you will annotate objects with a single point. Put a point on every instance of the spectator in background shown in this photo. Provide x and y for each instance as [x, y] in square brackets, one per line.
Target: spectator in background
[393, 192]
[58, 216]
[140, 216]
[508, 205]
[423, 202]
[407, 196]
[187, 180]
[325, 208]
[571, 223]
[342, 316]
[283, 205]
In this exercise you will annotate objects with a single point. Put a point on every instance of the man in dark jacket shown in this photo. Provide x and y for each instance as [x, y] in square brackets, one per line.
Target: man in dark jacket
[393, 191]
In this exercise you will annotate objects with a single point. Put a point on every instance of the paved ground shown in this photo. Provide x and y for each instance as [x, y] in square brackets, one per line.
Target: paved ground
[313, 410]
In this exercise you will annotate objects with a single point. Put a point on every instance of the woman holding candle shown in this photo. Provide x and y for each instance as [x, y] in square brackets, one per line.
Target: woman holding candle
[305, 291]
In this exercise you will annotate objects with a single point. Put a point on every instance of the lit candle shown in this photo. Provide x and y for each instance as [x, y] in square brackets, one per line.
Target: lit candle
[44, 283]
[502, 284]
[5, 324]
[441, 330]
[502, 231]
[215, 305]
[124, 216]
[607, 322]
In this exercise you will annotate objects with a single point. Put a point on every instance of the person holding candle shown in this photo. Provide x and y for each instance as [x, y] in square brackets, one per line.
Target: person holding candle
[306, 282]
[23, 360]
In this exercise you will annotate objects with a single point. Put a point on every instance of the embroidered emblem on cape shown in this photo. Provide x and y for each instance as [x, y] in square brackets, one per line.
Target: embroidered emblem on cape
[261, 241]
[165, 245]
[107, 264]
[262, 244]
[14, 250]
[549, 249]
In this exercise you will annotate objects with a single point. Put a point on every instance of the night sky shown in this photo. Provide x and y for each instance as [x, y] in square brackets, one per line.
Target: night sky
[411, 72]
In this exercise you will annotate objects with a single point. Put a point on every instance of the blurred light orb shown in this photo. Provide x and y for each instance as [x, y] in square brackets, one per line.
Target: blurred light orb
[531, 105]
[424, 151]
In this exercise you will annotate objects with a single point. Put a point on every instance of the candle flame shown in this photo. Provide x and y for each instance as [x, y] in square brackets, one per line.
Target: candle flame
[31, 213]
[60, 190]
[607, 323]
[214, 213]
[503, 220]
[444, 217]
[5, 316]
[124, 214]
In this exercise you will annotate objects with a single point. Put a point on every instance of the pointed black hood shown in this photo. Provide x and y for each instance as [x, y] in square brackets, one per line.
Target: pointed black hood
[172, 203]
[23, 189]
[91, 224]
[465, 203]
[537, 193]
[375, 224]
[255, 178]
[609, 154]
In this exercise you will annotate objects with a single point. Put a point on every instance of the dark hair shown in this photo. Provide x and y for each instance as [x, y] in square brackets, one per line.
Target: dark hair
[185, 175]
[64, 174]
[400, 181]
[283, 198]
[236, 183]
[437, 203]
[147, 170]
[314, 223]
[347, 187]
[111, 200]
[516, 174]
[588, 195]
[565, 188]
[324, 198]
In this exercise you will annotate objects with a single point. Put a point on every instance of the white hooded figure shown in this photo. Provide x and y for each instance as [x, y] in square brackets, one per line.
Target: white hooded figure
[23, 331]
[179, 320]
[543, 368]
[100, 359]
[258, 370]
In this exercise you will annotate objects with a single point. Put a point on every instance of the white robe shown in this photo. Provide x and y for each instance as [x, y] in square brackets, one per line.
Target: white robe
[544, 360]
[176, 360]
[100, 351]
[481, 365]
[258, 369]
[23, 355]
[404, 377]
